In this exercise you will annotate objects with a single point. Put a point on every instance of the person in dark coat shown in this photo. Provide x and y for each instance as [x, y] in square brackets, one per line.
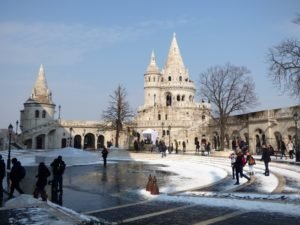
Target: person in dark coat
[282, 149]
[266, 158]
[104, 155]
[43, 174]
[2, 175]
[58, 169]
[15, 177]
[238, 165]
[136, 145]
[183, 146]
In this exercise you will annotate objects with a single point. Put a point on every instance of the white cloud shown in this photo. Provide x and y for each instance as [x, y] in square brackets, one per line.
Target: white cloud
[56, 43]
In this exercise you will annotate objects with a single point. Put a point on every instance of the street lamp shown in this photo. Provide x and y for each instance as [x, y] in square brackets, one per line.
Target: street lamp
[17, 125]
[162, 129]
[10, 130]
[296, 117]
[71, 129]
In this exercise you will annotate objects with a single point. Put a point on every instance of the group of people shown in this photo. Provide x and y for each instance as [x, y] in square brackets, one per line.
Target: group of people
[18, 173]
[204, 147]
[241, 158]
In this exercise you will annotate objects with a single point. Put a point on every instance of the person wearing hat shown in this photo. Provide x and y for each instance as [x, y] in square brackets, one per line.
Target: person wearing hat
[2, 175]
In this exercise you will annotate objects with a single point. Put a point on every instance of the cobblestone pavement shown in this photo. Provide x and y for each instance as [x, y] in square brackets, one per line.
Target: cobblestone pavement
[115, 201]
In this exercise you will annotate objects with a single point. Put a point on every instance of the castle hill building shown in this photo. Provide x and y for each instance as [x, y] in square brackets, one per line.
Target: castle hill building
[170, 113]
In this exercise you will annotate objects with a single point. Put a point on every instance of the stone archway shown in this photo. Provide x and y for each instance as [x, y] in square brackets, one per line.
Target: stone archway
[89, 141]
[40, 141]
[100, 141]
[77, 141]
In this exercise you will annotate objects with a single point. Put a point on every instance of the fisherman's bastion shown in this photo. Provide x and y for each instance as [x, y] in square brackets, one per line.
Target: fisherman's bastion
[170, 113]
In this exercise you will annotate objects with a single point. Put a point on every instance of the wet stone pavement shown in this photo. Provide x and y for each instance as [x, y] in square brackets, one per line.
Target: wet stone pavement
[110, 194]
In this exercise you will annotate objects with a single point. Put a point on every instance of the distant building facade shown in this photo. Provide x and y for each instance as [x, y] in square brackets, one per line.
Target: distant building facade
[169, 109]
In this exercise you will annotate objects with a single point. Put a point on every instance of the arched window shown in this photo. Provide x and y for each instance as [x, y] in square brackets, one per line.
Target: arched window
[178, 98]
[166, 117]
[37, 113]
[153, 78]
[169, 78]
[168, 100]
[44, 114]
[159, 117]
[190, 98]
[149, 79]
[182, 97]
[162, 79]
[180, 78]
[203, 117]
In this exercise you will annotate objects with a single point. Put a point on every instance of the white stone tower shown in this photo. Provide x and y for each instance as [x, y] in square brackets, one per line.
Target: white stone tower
[39, 108]
[169, 107]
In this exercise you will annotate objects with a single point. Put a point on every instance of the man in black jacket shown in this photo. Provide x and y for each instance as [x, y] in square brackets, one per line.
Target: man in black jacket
[266, 158]
[58, 169]
[238, 165]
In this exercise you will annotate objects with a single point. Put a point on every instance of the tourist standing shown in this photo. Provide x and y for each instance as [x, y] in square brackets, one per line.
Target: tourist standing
[176, 146]
[58, 169]
[42, 176]
[183, 146]
[232, 158]
[197, 146]
[104, 155]
[266, 158]
[2, 175]
[15, 176]
[251, 163]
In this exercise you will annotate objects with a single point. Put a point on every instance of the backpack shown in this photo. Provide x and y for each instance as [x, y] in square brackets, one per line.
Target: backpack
[244, 161]
[22, 172]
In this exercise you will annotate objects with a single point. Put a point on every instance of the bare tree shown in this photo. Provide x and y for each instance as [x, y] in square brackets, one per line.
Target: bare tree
[284, 60]
[118, 111]
[229, 89]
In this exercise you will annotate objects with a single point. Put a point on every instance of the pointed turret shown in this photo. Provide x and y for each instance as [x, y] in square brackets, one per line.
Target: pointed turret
[40, 92]
[152, 67]
[174, 60]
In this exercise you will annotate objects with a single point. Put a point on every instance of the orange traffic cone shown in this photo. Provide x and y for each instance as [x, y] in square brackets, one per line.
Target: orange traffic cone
[149, 184]
[154, 189]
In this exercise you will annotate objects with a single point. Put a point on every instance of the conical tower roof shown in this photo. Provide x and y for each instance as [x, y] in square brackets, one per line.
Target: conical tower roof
[40, 92]
[152, 67]
[174, 60]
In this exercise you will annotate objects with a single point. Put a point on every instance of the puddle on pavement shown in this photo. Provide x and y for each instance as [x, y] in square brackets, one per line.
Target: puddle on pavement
[94, 181]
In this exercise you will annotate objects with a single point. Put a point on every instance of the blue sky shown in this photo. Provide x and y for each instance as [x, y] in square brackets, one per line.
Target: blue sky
[89, 47]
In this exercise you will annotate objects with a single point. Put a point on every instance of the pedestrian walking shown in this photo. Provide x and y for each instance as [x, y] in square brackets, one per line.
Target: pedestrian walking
[42, 176]
[104, 155]
[232, 158]
[290, 147]
[163, 149]
[239, 164]
[266, 158]
[282, 148]
[58, 169]
[251, 162]
[2, 175]
[136, 145]
[16, 175]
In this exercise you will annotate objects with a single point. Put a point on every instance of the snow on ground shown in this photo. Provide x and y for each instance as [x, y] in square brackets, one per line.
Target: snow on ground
[190, 175]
